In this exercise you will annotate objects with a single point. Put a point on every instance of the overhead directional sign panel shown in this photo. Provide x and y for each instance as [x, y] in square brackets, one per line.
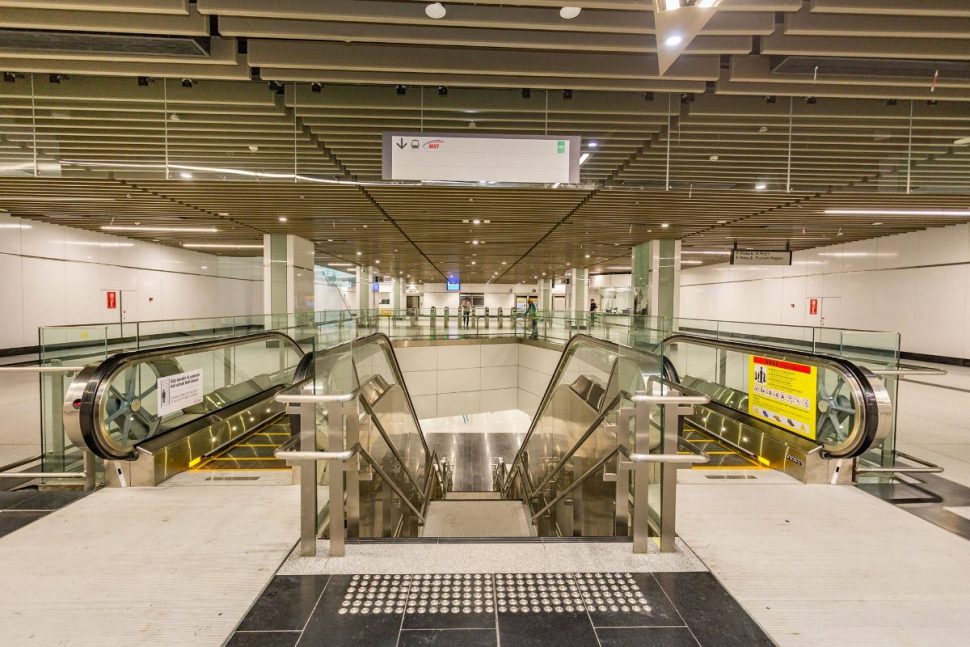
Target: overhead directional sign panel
[461, 157]
[760, 257]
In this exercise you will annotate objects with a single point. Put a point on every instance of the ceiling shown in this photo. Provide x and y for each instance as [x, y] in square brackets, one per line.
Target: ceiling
[777, 111]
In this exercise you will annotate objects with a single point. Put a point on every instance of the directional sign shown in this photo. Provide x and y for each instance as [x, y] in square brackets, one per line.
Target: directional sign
[760, 257]
[470, 158]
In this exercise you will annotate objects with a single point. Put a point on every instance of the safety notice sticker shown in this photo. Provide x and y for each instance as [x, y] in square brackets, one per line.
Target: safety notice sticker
[175, 392]
[783, 393]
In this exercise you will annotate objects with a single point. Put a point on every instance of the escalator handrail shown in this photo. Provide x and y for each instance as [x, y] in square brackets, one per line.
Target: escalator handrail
[93, 380]
[395, 367]
[567, 352]
[870, 396]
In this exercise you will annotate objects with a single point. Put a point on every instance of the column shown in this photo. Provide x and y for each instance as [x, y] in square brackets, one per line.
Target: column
[398, 300]
[287, 274]
[656, 278]
[579, 296]
[544, 290]
[366, 299]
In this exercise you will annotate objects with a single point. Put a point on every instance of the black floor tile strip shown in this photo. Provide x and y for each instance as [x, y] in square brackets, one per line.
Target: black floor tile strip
[485, 610]
[927, 496]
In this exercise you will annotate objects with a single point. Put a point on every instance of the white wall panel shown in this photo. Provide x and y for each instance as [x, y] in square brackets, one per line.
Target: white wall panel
[917, 284]
[459, 379]
[53, 275]
[499, 400]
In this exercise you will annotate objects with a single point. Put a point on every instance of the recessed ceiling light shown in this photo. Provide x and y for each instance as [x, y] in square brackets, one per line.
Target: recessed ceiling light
[473, 262]
[377, 262]
[760, 186]
[194, 230]
[253, 148]
[593, 144]
[223, 213]
[359, 253]
[587, 255]
[664, 225]
[673, 40]
[876, 224]
[185, 175]
[282, 219]
[435, 11]
[763, 129]
[474, 242]
[503, 262]
[956, 213]
[568, 13]
[476, 221]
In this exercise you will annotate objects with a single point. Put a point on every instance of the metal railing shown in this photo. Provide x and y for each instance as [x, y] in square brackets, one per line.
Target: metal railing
[88, 474]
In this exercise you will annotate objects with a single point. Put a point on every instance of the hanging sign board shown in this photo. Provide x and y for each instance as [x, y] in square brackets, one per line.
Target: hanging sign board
[760, 257]
[175, 392]
[461, 157]
[783, 393]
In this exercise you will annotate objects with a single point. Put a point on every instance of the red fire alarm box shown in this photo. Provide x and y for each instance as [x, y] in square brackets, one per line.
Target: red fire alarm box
[112, 300]
[813, 306]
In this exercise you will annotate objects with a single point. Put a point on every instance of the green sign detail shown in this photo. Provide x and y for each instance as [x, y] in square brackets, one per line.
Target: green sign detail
[562, 146]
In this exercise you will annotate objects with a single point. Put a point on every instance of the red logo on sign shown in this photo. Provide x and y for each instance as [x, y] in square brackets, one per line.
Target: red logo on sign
[434, 144]
[112, 300]
[813, 306]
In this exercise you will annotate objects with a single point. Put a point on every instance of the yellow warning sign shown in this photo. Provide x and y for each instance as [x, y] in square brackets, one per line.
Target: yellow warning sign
[783, 393]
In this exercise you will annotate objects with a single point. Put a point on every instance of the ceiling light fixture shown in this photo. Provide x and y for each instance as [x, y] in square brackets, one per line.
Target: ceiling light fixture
[435, 11]
[193, 230]
[220, 246]
[316, 87]
[760, 186]
[185, 175]
[664, 225]
[592, 144]
[673, 40]
[282, 218]
[568, 13]
[187, 83]
[954, 213]
[963, 141]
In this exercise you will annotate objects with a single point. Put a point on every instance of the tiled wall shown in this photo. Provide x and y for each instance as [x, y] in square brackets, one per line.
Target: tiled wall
[917, 284]
[457, 379]
[52, 275]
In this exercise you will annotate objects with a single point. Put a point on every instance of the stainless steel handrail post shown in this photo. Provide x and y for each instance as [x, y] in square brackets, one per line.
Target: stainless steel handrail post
[673, 408]
[335, 440]
[306, 412]
[351, 424]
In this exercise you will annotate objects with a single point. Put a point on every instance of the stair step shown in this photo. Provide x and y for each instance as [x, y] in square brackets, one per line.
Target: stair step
[481, 518]
[473, 496]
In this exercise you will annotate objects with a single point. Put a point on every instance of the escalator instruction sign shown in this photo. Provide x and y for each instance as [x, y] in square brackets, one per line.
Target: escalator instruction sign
[783, 393]
[176, 392]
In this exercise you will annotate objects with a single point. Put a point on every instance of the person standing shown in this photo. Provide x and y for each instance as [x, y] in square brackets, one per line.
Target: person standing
[592, 312]
[466, 311]
[532, 315]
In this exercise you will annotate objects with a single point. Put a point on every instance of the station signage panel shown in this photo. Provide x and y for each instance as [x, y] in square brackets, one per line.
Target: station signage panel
[760, 257]
[460, 157]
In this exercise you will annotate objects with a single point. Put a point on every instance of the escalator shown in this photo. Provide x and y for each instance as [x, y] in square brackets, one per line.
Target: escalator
[206, 405]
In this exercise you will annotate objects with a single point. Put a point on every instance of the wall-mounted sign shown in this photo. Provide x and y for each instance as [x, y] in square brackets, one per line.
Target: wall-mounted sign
[112, 300]
[460, 157]
[760, 257]
[783, 393]
[175, 392]
[454, 286]
[813, 306]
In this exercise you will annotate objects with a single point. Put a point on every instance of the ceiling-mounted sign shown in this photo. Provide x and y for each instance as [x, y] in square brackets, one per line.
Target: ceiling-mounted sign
[460, 157]
[760, 257]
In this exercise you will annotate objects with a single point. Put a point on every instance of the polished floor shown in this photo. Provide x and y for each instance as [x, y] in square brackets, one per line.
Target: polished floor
[613, 609]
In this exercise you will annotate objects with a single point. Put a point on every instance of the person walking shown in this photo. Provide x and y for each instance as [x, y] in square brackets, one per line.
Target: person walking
[466, 311]
[592, 312]
[532, 314]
